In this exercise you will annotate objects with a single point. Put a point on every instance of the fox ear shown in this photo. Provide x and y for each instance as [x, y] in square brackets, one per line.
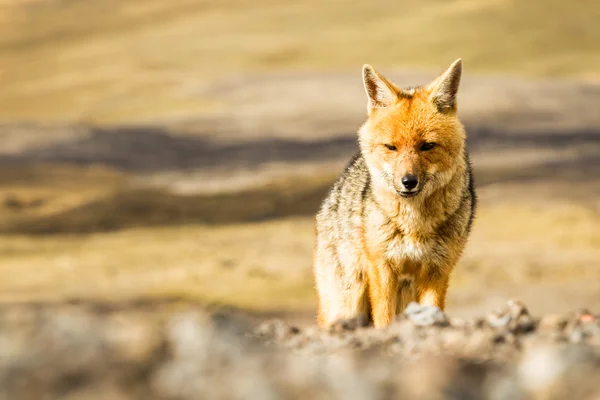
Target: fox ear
[380, 92]
[443, 90]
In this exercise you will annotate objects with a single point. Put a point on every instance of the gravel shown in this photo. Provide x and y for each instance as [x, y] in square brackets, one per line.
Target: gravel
[81, 351]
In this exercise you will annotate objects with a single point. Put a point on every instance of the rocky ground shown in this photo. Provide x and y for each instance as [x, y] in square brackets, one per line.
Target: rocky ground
[170, 351]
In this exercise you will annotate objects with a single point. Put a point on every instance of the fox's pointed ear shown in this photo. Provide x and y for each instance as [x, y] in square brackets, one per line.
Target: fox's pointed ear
[443, 90]
[380, 92]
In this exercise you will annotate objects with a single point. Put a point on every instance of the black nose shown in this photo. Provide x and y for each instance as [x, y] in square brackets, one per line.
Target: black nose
[410, 181]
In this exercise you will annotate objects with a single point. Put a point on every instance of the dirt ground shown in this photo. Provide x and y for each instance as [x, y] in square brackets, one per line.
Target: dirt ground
[172, 350]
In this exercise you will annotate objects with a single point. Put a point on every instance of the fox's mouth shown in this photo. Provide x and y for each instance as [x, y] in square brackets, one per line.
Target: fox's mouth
[407, 194]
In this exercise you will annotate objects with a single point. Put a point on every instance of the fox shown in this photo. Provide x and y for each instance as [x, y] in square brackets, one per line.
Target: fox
[396, 221]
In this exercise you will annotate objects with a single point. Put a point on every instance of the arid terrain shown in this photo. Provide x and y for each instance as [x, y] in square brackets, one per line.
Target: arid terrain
[176, 351]
[161, 163]
[220, 209]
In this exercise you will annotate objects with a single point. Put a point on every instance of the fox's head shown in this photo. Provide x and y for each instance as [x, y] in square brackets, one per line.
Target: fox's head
[412, 141]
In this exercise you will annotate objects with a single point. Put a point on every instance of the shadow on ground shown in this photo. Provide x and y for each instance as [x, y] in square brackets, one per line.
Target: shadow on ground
[147, 150]
[156, 149]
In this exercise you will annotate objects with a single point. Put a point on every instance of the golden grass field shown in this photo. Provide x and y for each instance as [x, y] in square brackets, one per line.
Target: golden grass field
[135, 60]
[520, 246]
[180, 149]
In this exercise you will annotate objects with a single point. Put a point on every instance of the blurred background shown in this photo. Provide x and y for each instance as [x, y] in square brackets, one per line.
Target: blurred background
[179, 149]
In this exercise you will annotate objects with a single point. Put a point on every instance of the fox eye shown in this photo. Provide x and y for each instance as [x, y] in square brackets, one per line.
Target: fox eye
[427, 146]
[391, 147]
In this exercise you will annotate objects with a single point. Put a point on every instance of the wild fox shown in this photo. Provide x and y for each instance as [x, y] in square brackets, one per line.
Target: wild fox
[396, 221]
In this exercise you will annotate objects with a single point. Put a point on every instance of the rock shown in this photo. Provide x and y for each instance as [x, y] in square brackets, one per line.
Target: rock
[76, 351]
[499, 320]
[513, 317]
[425, 315]
[516, 308]
[275, 330]
[349, 325]
[587, 318]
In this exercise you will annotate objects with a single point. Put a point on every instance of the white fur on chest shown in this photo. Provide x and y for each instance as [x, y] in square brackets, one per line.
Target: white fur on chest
[400, 248]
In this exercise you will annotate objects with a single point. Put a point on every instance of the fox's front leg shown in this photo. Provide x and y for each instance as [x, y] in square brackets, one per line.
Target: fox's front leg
[383, 293]
[432, 286]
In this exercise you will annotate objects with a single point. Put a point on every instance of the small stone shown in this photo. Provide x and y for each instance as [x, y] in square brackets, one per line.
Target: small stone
[425, 315]
[585, 318]
[552, 322]
[514, 317]
[498, 320]
[523, 324]
[583, 311]
[349, 325]
[275, 330]
[516, 308]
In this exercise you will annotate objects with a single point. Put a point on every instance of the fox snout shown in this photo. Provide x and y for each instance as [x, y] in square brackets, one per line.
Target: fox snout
[407, 175]
[409, 185]
[410, 181]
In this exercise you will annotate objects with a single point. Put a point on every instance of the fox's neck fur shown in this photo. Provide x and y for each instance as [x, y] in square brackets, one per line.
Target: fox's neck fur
[421, 215]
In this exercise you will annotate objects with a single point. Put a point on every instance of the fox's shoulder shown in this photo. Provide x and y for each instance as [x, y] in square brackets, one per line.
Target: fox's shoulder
[351, 186]
[356, 167]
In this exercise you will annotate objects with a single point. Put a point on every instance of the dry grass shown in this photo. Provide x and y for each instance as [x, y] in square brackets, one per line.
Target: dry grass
[263, 266]
[73, 232]
[266, 266]
[40, 192]
[73, 200]
[112, 60]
